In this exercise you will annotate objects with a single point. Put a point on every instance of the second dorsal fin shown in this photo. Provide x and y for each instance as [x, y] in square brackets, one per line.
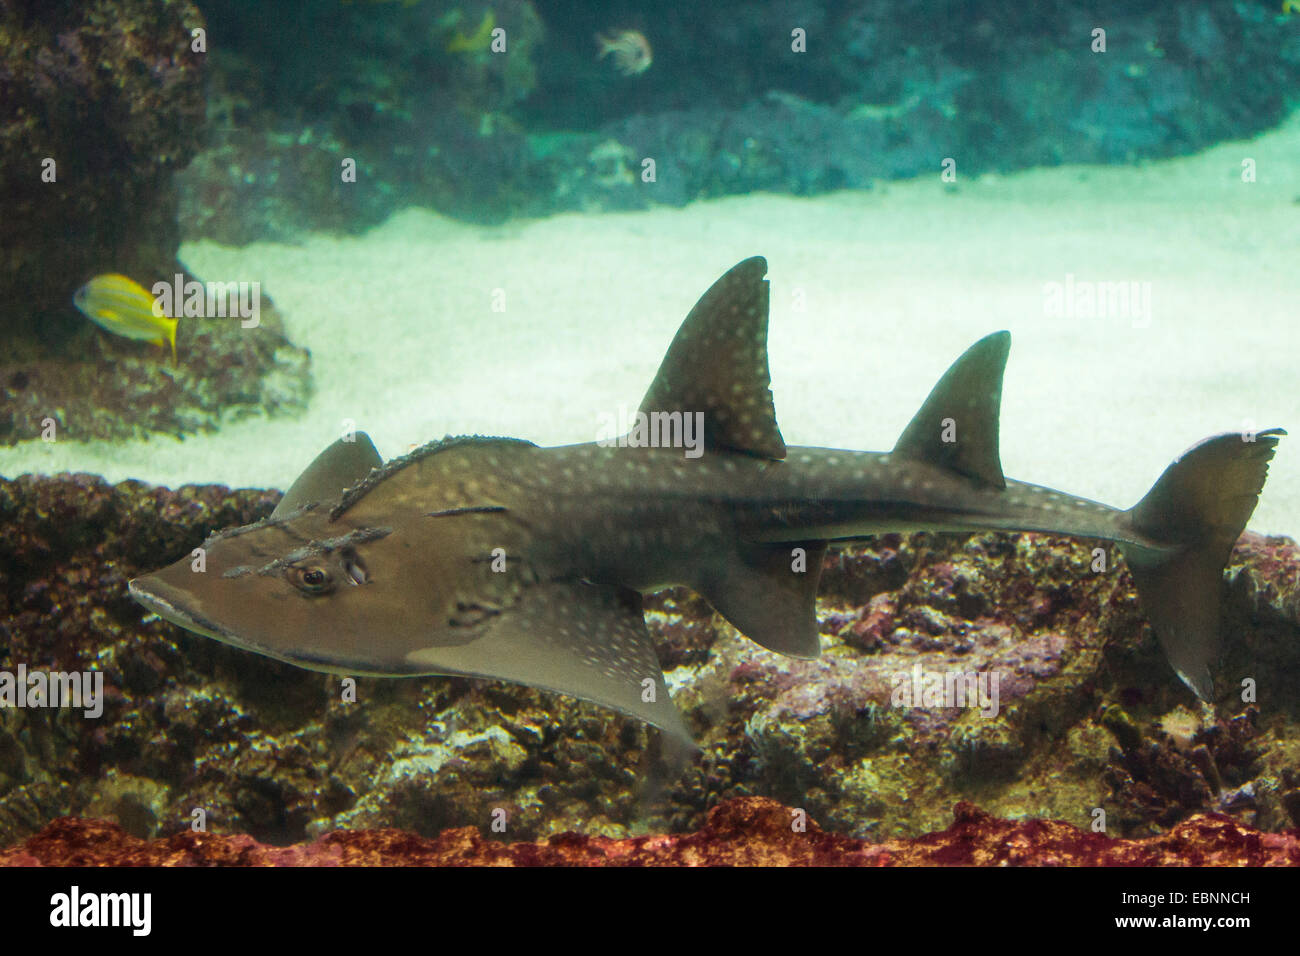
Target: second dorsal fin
[957, 427]
[717, 365]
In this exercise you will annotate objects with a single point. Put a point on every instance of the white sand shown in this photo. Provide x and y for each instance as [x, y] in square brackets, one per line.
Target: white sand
[897, 283]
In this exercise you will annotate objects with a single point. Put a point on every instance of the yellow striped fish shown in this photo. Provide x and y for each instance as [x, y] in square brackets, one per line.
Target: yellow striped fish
[124, 307]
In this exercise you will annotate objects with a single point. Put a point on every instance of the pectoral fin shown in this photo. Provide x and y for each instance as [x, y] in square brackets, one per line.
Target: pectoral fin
[574, 638]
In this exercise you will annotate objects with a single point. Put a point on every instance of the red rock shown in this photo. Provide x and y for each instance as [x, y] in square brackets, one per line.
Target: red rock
[750, 831]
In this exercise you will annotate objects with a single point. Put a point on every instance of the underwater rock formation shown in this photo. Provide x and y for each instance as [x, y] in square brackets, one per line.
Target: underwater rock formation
[110, 93]
[125, 389]
[728, 106]
[1089, 716]
[412, 93]
[747, 831]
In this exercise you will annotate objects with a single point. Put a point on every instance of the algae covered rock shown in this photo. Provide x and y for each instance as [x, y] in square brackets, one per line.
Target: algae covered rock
[124, 389]
[103, 103]
[748, 831]
[418, 97]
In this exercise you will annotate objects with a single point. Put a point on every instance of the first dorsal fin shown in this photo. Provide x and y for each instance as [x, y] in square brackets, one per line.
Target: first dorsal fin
[342, 464]
[957, 427]
[717, 365]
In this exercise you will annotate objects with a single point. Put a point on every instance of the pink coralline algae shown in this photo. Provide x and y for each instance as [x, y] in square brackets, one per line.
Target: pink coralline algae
[749, 831]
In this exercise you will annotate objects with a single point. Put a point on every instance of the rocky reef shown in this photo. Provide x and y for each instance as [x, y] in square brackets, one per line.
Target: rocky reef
[746, 831]
[411, 95]
[1089, 726]
[103, 101]
[126, 389]
[739, 96]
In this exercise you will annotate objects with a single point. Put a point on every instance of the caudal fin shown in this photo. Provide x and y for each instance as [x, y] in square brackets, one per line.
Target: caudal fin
[1191, 519]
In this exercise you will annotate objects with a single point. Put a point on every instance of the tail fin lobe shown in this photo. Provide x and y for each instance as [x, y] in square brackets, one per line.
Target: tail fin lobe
[1192, 517]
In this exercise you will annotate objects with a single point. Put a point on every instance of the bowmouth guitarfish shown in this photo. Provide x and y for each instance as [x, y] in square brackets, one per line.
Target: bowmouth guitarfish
[496, 558]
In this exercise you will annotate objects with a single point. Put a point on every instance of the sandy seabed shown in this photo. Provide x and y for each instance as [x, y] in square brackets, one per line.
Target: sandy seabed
[873, 295]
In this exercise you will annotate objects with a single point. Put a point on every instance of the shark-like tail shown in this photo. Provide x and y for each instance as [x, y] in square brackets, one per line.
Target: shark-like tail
[1191, 519]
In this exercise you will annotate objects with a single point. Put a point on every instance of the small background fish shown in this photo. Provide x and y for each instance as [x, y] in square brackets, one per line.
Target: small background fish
[631, 50]
[122, 306]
